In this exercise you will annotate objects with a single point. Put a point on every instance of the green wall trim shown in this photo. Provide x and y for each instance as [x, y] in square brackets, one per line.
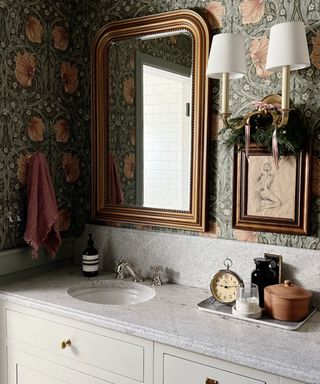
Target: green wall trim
[19, 259]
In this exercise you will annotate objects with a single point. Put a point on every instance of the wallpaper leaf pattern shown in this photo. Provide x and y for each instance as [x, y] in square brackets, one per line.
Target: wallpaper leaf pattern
[41, 109]
[45, 101]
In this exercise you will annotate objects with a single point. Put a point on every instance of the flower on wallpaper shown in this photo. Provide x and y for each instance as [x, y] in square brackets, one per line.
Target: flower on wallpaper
[36, 129]
[64, 220]
[22, 172]
[60, 37]
[34, 29]
[252, 11]
[129, 165]
[61, 130]
[316, 176]
[249, 236]
[128, 90]
[69, 75]
[70, 165]
[217, 11]
[315, 54]
[258, 53]
[25, 68]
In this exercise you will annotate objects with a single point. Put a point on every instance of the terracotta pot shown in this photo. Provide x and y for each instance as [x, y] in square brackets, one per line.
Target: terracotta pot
[286, 301]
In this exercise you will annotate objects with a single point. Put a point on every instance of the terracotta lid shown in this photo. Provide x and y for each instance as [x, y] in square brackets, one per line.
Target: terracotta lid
[288, 290]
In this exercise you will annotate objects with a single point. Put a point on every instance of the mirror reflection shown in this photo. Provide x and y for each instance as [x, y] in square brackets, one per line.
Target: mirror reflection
[150, 121]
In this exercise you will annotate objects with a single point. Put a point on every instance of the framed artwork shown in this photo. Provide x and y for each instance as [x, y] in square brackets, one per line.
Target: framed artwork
[267, 198]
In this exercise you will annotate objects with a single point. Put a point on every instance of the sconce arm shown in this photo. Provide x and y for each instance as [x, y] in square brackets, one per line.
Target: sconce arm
[245, 120]
[282, 118]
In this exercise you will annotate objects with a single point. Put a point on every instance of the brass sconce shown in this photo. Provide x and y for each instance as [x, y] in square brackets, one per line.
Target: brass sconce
[288, 50]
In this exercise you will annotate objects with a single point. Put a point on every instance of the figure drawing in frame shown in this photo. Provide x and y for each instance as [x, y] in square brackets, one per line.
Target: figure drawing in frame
[268, 199]
[271, 190]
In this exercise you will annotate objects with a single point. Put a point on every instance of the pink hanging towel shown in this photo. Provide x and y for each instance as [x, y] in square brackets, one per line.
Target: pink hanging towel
[41, 226]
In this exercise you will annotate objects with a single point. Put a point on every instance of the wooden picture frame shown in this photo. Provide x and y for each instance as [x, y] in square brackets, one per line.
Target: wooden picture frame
[268, 199]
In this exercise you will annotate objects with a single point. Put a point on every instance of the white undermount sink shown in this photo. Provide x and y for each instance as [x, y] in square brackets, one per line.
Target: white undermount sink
[112, 292]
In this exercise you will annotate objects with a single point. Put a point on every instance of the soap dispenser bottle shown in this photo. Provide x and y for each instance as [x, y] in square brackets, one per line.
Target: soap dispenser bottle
[263, 275]
[90, 259]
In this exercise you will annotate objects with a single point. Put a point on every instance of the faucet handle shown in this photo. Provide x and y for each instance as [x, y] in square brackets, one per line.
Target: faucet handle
[156, 279]
[117, 263]
[119, 269]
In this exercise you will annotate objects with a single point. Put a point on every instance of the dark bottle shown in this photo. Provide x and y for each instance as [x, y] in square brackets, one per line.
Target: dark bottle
[90, 259]
[263, 275]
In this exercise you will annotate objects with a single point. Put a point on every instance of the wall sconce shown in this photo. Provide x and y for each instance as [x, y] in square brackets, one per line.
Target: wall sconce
[288, 50]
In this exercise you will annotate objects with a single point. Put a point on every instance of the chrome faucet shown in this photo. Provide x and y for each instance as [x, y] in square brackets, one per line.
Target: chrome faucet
[156, 278]
[125, 269]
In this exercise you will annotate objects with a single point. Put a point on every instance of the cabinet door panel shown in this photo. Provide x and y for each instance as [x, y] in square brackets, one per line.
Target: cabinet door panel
[178, 370]
[27, 369]
[45, 335]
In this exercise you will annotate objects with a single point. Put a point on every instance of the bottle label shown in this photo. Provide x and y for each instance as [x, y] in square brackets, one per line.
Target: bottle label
[90, 263]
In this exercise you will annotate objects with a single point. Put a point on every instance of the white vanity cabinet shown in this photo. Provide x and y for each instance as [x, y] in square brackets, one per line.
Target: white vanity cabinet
[41, 348]
[173, 366]
[41, 345]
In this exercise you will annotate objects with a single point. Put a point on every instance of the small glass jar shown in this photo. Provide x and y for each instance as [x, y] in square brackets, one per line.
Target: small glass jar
[247, 301]
[263, 275]
[247, 298]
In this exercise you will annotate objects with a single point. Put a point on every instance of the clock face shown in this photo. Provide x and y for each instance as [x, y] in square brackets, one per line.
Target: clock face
[224, 286]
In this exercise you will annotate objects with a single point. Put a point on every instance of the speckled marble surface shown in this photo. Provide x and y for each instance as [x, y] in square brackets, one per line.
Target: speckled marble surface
[192, 260]
[171, 317]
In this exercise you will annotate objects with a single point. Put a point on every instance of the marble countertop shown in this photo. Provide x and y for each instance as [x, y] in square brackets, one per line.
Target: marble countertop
[172, 318]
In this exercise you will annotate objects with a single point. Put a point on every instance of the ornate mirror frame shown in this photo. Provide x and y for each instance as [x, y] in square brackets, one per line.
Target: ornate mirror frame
[102, 212]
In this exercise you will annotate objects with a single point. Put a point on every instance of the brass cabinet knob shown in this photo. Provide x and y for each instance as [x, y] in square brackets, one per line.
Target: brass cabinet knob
[211, 381]
[65, 343]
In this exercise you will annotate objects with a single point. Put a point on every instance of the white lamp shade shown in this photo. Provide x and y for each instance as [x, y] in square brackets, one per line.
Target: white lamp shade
[288, 46]
[227, 55]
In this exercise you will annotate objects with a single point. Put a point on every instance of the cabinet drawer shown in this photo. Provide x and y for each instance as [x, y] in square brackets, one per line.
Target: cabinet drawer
[115, 355]
[27, 369]
[179, 370]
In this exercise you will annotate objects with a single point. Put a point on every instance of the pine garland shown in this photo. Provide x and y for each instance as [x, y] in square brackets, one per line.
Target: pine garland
[291, 137]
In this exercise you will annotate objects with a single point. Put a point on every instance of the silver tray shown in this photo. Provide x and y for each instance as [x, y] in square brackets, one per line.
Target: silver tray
[212, 306]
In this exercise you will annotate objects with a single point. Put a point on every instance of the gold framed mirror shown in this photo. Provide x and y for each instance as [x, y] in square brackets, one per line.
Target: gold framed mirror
[149, 121]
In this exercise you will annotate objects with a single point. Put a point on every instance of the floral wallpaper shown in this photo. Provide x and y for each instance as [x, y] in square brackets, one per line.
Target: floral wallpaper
[41, 109]
[45, 101]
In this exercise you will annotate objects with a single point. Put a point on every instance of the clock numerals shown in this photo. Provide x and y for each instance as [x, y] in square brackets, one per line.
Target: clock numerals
[224, 286]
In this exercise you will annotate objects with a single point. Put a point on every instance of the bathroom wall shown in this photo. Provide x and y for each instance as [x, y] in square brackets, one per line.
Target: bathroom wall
[193, 259]
[253, 19]
[42, 108]
[45, 103]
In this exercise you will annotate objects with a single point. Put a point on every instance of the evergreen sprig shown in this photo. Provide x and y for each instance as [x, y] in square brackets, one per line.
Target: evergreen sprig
[291, 137]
